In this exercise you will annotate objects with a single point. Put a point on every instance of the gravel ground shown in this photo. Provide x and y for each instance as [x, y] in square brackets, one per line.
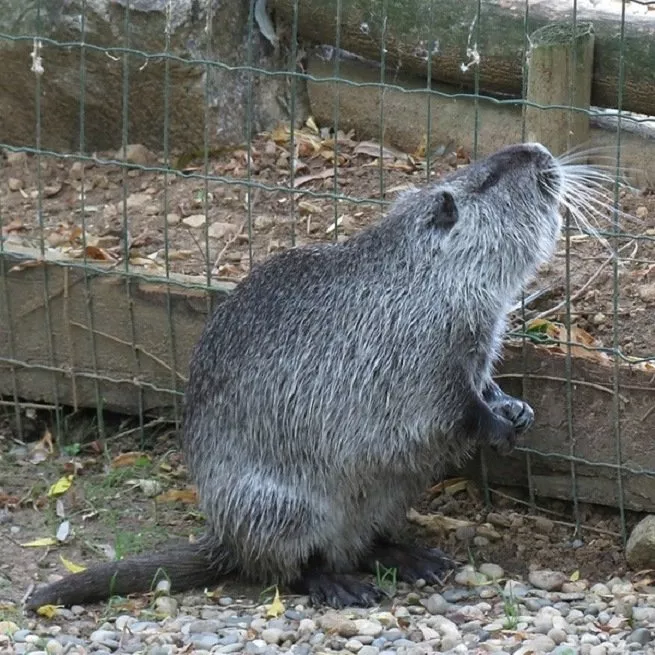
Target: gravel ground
[482, 612]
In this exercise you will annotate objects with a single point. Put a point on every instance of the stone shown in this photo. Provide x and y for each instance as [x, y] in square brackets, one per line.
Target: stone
[547, 580]
[468, 576]
[577, 587]
[558, 635]
[640, 549]
[353, 645]
[598, 650]
[449, 642]
[647, 294]
[499, 520]
[272, 635]
[643, 614]
[641, 636]
[543, 623]
[104, 637]
[137, 200]
[492, 571]
[368, 627]
[135, 153]
[539, 644]
[564, 649]
[165, 606]
[543, 525]
[641, 212]
[369, 650]
[195, 220]
[219, 230]
[515, 589]
[16, 158]
[333, 622]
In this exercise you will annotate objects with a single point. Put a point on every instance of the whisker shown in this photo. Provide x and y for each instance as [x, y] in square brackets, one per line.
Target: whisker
[610, 179]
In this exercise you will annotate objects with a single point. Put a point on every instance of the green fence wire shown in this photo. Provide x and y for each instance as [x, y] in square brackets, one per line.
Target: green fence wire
[91, 379]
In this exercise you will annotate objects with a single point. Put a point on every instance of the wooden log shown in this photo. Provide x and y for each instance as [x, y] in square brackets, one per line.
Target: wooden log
[66, 334]
[57, 348]
[413, 116]
[560, 66]
[447, 36]
[540, 376]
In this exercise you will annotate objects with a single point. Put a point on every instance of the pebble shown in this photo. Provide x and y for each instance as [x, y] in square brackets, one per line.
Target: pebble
[545, 614]
[436, 604]
[547, 580]
[272, 635]
[369, 650]
[640, 636]
[366, 627]
[492, 571]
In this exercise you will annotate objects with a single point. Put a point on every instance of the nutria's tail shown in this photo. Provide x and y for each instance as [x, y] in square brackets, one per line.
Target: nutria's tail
[187, 566]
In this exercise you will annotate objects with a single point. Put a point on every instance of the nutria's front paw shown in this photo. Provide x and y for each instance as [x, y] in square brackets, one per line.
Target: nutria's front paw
[516, 411]
[502, 435]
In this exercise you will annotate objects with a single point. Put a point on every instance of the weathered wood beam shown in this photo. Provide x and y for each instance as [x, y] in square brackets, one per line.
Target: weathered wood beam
[446, 37]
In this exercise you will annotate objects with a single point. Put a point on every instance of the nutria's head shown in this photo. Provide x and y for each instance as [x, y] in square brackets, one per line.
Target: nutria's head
[493, 222]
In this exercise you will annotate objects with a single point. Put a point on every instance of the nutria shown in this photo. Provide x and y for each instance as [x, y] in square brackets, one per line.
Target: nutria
[338, 380]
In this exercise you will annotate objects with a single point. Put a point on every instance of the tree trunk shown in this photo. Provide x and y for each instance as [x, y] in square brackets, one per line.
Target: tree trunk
[408, 31]
[77, 102]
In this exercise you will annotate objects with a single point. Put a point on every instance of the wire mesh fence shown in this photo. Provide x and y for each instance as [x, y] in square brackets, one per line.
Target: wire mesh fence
[125, 219]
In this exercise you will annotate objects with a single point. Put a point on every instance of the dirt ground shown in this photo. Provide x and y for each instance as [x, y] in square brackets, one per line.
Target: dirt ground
[131, 494]
[180, 222]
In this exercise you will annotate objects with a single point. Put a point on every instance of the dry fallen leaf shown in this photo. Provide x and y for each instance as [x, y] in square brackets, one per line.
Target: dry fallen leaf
[31, 263]
[451, 486]
[311, 124]
[306, 207]
[188, 495]
[322, 175]
[143, 261]
[374, 149]
[422, 147]
[61, 486]
[42, 448]
[71, 566]
[276, 608]
[588, 348]
[130, 459]
[48, 610]
[94, 252]
[38, 543]
[15, 225]
[149, 487]
[281, 135]
[7, 501]
[437, 522]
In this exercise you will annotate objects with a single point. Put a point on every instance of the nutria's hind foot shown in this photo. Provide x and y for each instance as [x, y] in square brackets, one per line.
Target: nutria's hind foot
[337, 590]
[411, 563]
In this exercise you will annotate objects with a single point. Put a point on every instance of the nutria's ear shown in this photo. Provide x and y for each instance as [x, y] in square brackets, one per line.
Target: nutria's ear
[444, 210]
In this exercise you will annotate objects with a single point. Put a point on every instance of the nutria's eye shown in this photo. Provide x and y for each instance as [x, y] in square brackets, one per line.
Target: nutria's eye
[489, 181]
[444, 214]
